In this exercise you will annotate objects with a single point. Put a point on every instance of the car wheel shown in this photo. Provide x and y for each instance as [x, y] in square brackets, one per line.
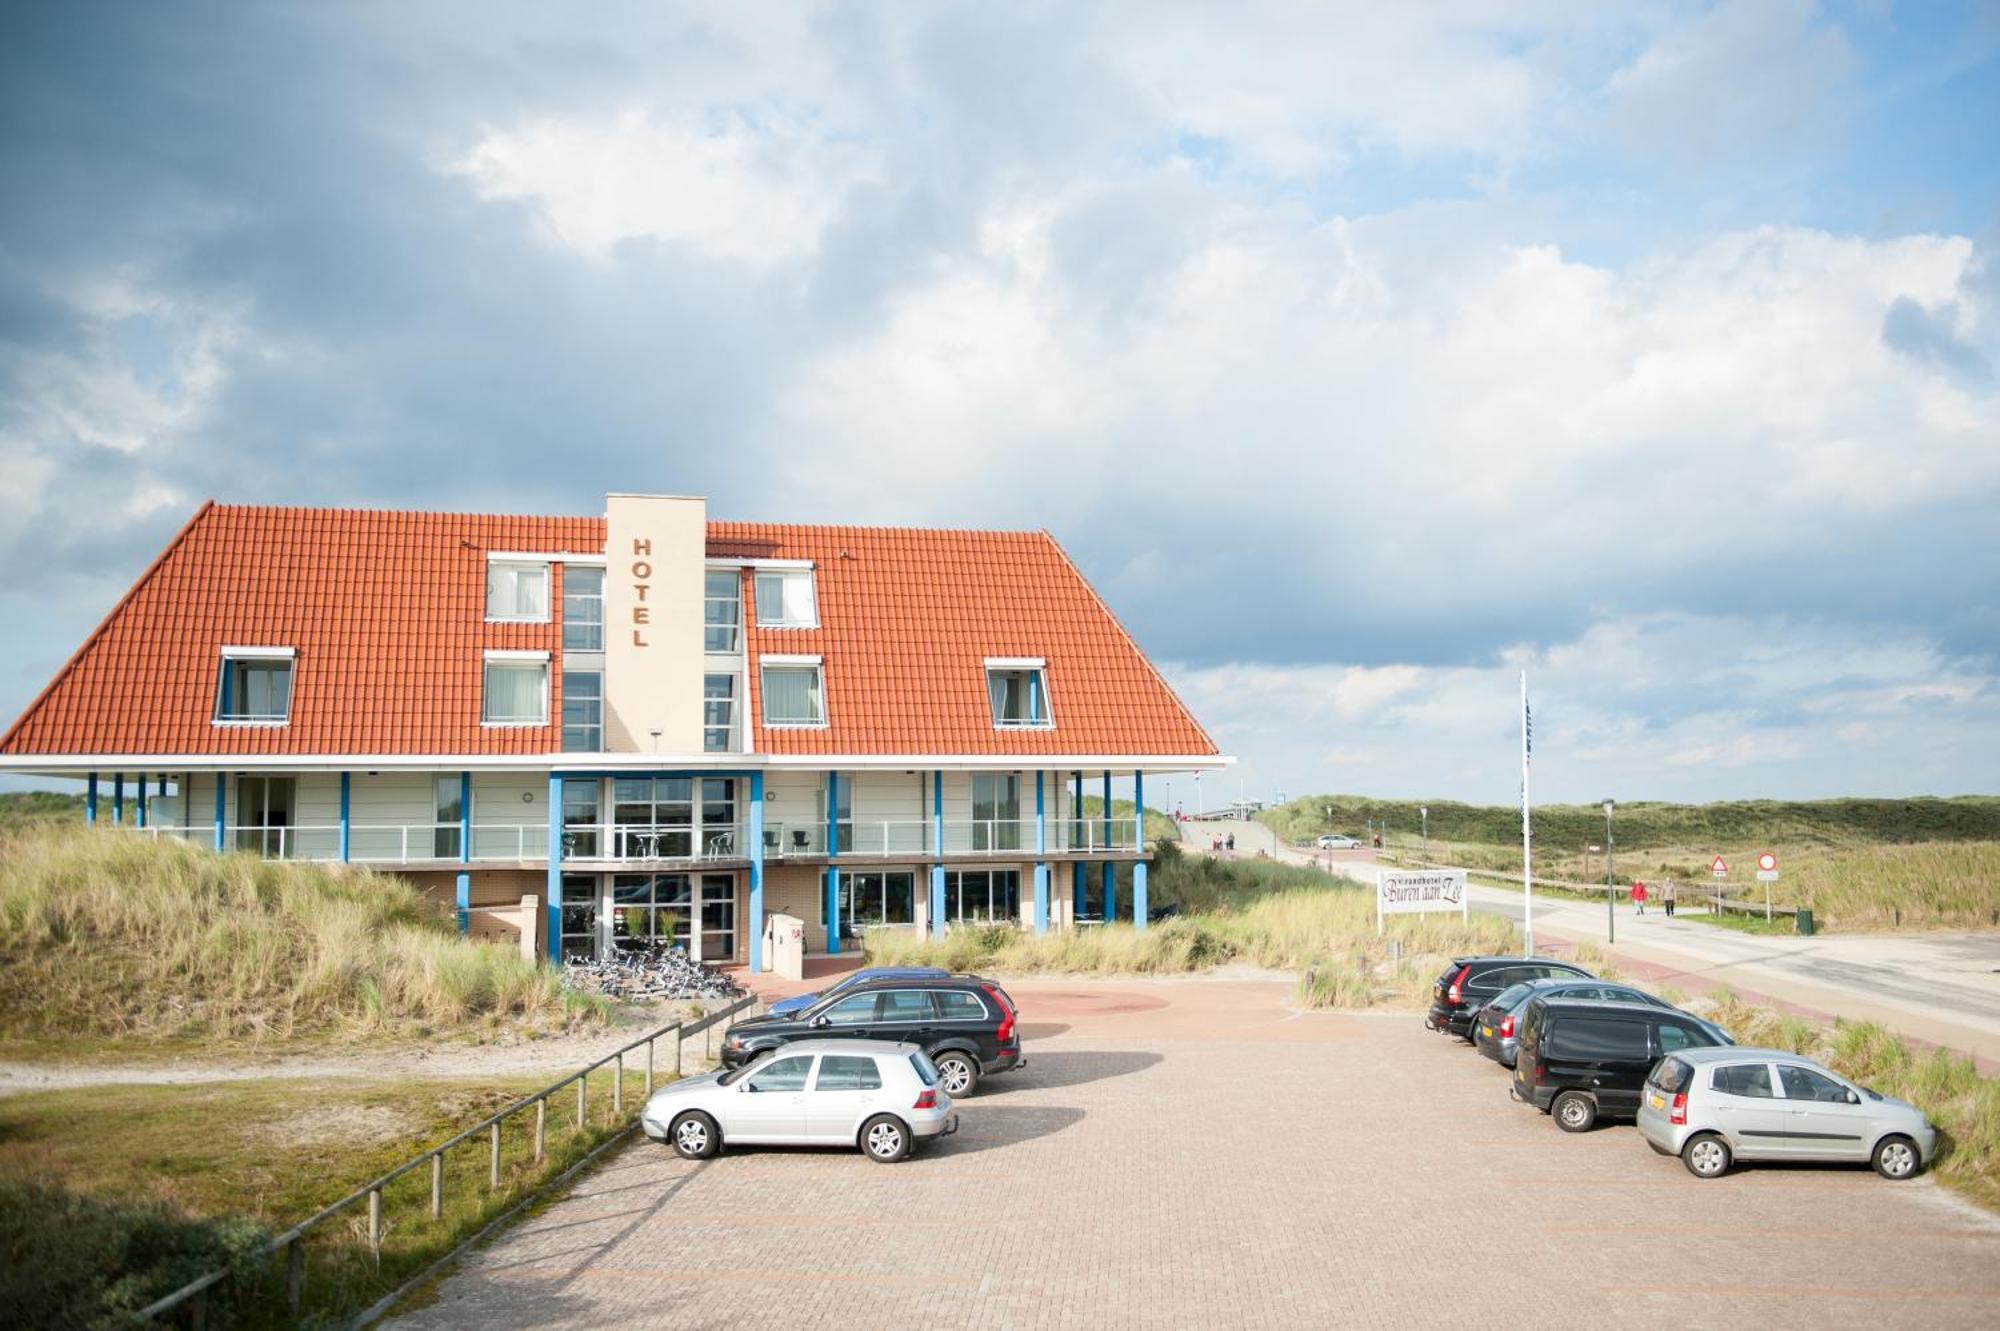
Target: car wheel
[958, 1073]
[694, 1135]
[1897, 1158]
[885, 1139]
[1575, 1112]
[1706, 1156]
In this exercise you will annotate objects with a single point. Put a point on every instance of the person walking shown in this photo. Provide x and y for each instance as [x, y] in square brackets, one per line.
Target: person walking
[1639, 897]
[1667, 896]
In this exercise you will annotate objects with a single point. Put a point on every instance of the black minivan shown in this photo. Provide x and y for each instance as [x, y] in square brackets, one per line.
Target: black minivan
[1583, 1061]
[1469, 983]
[966, 1024]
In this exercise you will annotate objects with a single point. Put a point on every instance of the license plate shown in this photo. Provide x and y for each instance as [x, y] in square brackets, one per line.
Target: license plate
[1486, 1031]
[1656, 1102]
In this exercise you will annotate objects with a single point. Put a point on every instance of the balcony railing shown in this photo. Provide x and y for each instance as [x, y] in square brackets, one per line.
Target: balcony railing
[916, 838]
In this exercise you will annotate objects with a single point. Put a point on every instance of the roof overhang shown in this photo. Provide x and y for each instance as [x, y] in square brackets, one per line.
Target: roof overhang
[81, 765]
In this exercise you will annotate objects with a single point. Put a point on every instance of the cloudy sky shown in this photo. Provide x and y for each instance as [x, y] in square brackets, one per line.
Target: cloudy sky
[1362, 354]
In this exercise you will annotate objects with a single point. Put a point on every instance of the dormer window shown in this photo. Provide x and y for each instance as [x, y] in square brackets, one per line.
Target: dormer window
[516, 689]
[785, 599]
[517, 591]
[255, 687]
[1018, 688]
[793, 691]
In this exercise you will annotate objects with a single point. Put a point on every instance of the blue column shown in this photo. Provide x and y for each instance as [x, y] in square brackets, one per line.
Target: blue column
[937, 869]
[90, 800]
[552, 907]
[465, 849]
[221, 808]
[346, 815]
[756, 873]
[139, 800]
[1079, 881]
[832, 868]
[118, 798]
[1139, 904]
[1110, 869]
[1079, 884]
[1041, 863]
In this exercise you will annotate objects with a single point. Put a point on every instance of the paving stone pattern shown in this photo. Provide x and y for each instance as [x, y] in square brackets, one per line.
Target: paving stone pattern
[1189, 1153]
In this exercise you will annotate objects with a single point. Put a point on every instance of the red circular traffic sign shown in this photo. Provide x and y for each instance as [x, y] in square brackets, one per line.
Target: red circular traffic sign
[1767, 861]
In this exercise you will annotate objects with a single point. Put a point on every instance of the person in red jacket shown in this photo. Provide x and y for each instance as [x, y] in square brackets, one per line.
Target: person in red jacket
[1639, 897]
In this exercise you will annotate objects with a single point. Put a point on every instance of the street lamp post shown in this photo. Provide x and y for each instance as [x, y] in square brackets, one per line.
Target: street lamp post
[1610, 850]
[1425, 810]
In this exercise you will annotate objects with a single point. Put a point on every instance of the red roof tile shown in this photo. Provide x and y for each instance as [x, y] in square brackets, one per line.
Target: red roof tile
[386, 612]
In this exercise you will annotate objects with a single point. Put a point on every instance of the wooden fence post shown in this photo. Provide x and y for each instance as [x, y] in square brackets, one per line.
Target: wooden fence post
[295, 1274]
[437, 1186]
[618, 1089]
[582, 1085]
[541, 1126]
[493, 1168]
[375, 1221]
[649, 1066]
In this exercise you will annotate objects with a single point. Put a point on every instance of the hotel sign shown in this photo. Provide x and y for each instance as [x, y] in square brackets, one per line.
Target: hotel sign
[642, 582]
[1412, 892]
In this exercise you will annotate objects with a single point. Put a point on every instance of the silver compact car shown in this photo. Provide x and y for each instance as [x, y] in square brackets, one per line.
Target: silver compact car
[1713, 1107]
[882, 1098]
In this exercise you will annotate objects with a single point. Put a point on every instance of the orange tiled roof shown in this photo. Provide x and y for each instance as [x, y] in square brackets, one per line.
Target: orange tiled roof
[386, 610]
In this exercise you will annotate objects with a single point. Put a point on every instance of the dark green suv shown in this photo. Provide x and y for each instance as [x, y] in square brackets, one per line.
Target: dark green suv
[966, 1024]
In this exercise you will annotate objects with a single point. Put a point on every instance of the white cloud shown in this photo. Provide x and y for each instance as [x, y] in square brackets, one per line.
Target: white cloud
[759, 189]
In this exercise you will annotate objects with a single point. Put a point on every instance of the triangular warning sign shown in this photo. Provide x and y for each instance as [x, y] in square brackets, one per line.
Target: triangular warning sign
[1720, 867]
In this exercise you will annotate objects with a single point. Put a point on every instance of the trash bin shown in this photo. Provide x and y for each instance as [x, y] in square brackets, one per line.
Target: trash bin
[1806, 925]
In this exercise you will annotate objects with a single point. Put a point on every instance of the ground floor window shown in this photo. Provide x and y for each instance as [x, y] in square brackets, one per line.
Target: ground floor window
[878, 898]
[579, 917]
[981, 895]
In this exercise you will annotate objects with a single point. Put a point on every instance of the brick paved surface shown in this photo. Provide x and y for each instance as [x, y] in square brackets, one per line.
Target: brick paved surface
[1188, 1153]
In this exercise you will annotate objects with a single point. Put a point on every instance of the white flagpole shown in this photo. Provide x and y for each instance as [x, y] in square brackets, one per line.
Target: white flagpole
[1527, 833]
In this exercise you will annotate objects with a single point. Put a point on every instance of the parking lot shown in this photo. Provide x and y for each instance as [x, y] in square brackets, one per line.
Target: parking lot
[1186, 1152]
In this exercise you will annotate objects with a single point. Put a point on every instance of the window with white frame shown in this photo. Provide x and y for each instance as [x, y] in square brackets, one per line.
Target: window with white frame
[722, 611]
[255, 686]
[583, 608]
[516, 689]
[517, 590]
[1018, 688]
[794, 693]
[718, 713]
[785, 599]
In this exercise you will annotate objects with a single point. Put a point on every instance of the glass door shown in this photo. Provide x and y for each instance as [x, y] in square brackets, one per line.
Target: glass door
[264, 815]
[718, 919]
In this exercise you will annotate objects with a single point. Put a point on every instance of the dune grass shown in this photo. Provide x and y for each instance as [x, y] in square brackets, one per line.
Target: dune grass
[111, 937]
[1326, 933]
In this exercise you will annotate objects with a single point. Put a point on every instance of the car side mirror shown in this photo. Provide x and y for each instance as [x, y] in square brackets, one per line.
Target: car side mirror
[1853, 1098]
[822, 1021]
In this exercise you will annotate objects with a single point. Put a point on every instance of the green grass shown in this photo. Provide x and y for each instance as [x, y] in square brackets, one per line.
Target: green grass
[26, 808]
[1838, 822]
[107, 937]
[112, 1197]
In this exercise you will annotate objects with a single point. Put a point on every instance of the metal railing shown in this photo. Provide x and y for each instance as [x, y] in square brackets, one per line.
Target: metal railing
[291, 1243]
[399, 843]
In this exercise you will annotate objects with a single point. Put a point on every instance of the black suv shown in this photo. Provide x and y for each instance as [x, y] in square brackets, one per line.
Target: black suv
[1585, 1061]
[966, 1024]
[1469, 983]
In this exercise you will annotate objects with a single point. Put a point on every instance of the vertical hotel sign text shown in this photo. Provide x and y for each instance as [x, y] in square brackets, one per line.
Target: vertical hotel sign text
[642, 582]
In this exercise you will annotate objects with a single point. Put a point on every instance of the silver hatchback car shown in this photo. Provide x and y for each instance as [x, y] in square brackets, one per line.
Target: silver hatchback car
[883, 1098]
[1713, 1107]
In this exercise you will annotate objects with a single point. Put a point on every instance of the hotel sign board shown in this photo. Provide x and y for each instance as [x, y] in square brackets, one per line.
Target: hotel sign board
[1412, 892]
